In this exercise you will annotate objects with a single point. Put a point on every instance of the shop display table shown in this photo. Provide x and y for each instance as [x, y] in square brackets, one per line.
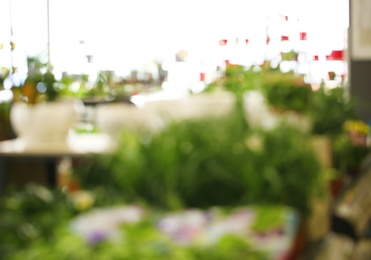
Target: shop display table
[15, 151]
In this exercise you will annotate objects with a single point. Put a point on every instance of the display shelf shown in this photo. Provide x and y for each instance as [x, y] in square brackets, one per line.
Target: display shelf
[352, 211]
[350, 221]
[17, 152]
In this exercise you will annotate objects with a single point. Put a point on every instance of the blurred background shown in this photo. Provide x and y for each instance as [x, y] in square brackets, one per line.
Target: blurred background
[125, 36]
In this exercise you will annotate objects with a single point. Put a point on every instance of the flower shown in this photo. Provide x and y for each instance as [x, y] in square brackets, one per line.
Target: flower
[82, 200]
[357, 126]
[105, 223]
[357, 131]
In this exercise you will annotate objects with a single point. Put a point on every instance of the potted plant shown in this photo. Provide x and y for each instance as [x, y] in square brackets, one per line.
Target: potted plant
[39, 115]
[6, 131]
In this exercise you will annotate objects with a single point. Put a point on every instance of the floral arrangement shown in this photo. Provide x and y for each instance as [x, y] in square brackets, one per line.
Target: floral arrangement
[358, 131]
[136, 231]
[351, 146]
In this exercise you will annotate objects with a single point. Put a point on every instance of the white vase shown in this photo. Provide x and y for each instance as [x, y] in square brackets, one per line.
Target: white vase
[43, 124]
[113, 118]
[196, 106]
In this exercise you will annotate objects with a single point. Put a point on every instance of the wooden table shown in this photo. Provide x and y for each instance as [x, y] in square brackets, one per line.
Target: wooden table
[16, 151]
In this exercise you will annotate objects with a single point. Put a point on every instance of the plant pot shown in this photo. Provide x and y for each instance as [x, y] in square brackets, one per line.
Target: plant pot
[43, 124]
[323, 150]
[114, 118]
[194, 107]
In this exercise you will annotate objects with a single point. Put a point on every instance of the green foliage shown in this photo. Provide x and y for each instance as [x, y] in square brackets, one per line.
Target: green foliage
[30, 214]
[286, 91]
[237, 79]
[269, 218]
[291, 55]
[142, 241]
[49, 81]
[4, 73]
[329, 109]
[6, 130]
[105, 88]
[211, 162]
[38, 85]
[348, 156]
[35, 224]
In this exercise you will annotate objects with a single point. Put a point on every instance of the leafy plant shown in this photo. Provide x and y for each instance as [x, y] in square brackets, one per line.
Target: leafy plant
[286, 91]
[38, 85]
[36, 223]
[237, 79]
[6, 131]
[30, 214]
[350, 146]
[329, 109]
[291, 55]
[142, 241]
[4, 73]
[211, 162]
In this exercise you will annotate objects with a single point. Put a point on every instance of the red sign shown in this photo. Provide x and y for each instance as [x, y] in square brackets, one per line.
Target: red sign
[336, 55]
[303, 36]
[223, 42]
[268, 40]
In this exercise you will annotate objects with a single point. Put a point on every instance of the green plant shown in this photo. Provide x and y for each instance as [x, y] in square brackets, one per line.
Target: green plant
[30, 214]
[238, 79]
[141, 241]
[211, 162]
[291, 55]
[6, 131]
[329, 109]
[41, 223]
[4, 73]
[38, 85]
[286, 91]
[350, 146]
